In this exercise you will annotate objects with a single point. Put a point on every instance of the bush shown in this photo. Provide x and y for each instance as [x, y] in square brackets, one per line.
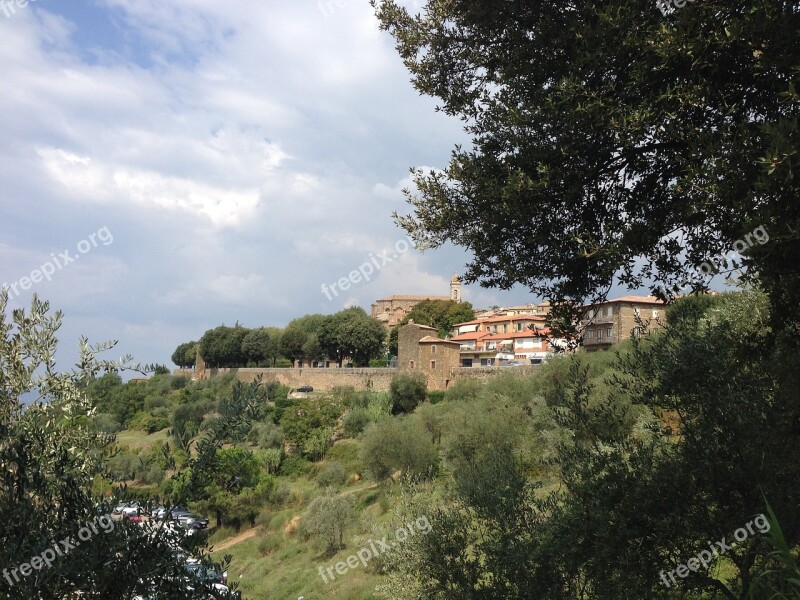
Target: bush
[346, 452]
[317, 443]
[332, 475]
[270, 541]
[107, 423]
[328, 517]
[271, 459]
[269, 435]
[344, 394]
[294, 465]
[436, 396]
[355, 421]
[406, 392]
[179, 382]
[400, 443]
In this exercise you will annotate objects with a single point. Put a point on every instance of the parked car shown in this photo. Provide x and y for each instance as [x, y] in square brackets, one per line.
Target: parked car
[305, 388]
[206, 572]
[127, 509]
[190, 519]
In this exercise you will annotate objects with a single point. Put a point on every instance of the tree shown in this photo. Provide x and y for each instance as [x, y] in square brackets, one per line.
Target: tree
[274, 346]
[185, 355]
[222, 346]
[398, 444]
[256, 345]
[406, 392]
[51, 455]
[293, 341]
[611, 140]
[328, 517]
[352, 334]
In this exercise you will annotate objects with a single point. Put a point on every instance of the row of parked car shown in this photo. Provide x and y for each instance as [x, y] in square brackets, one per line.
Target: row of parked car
[178, 516]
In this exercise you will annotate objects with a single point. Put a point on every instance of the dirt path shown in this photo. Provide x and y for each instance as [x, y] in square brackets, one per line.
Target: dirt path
[245, 535]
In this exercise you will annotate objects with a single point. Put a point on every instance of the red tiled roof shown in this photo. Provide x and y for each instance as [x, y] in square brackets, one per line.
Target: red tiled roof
[641, 299]
[431, 339]
[504, 318]
[472, 335]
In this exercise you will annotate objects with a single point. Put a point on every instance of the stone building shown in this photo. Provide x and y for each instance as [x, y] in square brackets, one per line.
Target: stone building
[613, 321]
[437, 358]
[408, 357]
[392, 310]
[420, 351]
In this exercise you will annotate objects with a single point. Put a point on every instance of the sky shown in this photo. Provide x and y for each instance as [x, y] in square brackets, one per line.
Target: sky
[167, 166]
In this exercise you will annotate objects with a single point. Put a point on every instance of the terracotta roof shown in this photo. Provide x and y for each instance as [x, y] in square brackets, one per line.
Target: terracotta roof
[471, 335]
[421, 326]
[642, 299]
[430, 339]
[519, 334]
[500, 319]
[412, 297]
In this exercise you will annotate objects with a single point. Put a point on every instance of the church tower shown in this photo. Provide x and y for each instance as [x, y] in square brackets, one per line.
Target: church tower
[455, 288]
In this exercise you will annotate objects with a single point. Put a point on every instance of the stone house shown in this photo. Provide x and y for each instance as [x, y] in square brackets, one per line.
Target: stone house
[613, 321]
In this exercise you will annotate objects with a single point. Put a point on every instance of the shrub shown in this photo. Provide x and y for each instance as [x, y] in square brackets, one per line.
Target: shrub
[436, 396]
[294, 465]
[107, 423]
[346, 452]
[271, 459]
[400, 443]
[332, 475]
[355, 421]
[344, 394]
[317, 443]
[406, 392]
[269, 435]
[328, 517]
[179, 382]
[270, 541]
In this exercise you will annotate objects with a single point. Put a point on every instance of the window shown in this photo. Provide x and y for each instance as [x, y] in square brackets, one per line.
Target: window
[433, 348]
[433, 364]
[655, 313]
[519, 326]
[599, 334]
[411, 365]
[590, 333]
[609, 311]
[608, 332]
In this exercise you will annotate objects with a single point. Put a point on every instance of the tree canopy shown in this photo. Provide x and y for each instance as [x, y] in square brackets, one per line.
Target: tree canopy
[610, 141]
[352, 334]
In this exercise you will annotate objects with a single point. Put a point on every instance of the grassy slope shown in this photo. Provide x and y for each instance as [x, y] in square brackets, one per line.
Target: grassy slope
[290, 570]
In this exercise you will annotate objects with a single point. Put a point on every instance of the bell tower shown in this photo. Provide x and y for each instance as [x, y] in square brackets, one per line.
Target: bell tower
[455, 288]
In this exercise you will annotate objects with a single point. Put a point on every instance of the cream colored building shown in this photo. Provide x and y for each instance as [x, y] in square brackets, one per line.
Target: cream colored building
[392, 310]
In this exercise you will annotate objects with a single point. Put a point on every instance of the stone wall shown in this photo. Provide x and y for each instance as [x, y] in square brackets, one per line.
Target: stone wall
[377, 380]
[484, 374]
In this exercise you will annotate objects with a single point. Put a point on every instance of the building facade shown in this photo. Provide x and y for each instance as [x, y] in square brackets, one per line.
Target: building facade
[613, 321]
[392, 310]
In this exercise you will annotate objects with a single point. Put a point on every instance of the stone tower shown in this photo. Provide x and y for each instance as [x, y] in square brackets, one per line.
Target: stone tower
[455, 288]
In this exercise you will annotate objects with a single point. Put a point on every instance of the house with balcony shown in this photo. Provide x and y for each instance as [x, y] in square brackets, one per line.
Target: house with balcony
[613, 321]
[500, 340]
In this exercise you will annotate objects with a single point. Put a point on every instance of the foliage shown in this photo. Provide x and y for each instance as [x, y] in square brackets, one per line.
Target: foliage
[633, 501]
[575, 175]
[352, 334]
[406, 392]
[332, 475]
[399, 443]
[256, 346]
[52, 454]
[222, 346]
[328, 517]
[355, 421]
[185, 355]
[309, 425]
